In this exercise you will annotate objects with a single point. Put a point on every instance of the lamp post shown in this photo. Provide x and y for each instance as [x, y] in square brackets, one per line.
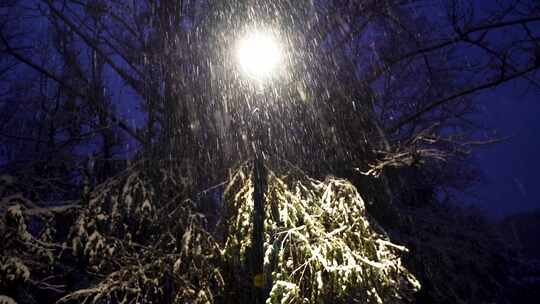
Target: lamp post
[259, 56]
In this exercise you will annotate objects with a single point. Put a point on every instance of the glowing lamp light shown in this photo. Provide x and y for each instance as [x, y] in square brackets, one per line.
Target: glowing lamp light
[259, 55]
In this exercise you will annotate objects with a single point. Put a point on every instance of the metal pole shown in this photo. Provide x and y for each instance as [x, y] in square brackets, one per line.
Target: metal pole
[259, 184]
[259, 179]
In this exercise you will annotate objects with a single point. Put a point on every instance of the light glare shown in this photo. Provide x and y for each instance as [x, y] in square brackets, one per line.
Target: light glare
[259, 55]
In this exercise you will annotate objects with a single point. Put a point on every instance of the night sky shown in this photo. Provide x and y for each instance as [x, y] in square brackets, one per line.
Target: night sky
[510, 169]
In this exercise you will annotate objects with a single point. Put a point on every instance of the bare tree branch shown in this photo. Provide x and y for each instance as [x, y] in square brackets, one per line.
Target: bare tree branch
[78, 93]
[474, 89]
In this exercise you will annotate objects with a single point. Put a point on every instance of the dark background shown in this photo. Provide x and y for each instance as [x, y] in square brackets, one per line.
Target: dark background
[509, 168]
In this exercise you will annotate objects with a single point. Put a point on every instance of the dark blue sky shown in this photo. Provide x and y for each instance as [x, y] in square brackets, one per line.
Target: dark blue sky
[511, 168]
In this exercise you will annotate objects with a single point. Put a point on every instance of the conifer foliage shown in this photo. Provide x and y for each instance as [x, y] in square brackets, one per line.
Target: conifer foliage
[320, 244]
[130, 242]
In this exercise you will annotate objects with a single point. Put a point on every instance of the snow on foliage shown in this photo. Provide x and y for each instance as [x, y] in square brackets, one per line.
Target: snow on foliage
[139, 238]
[148, 244]
[23, 256]
[319, 244]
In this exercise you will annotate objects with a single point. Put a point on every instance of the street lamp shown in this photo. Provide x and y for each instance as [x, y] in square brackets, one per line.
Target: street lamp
[260, 60]
[259, 56]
